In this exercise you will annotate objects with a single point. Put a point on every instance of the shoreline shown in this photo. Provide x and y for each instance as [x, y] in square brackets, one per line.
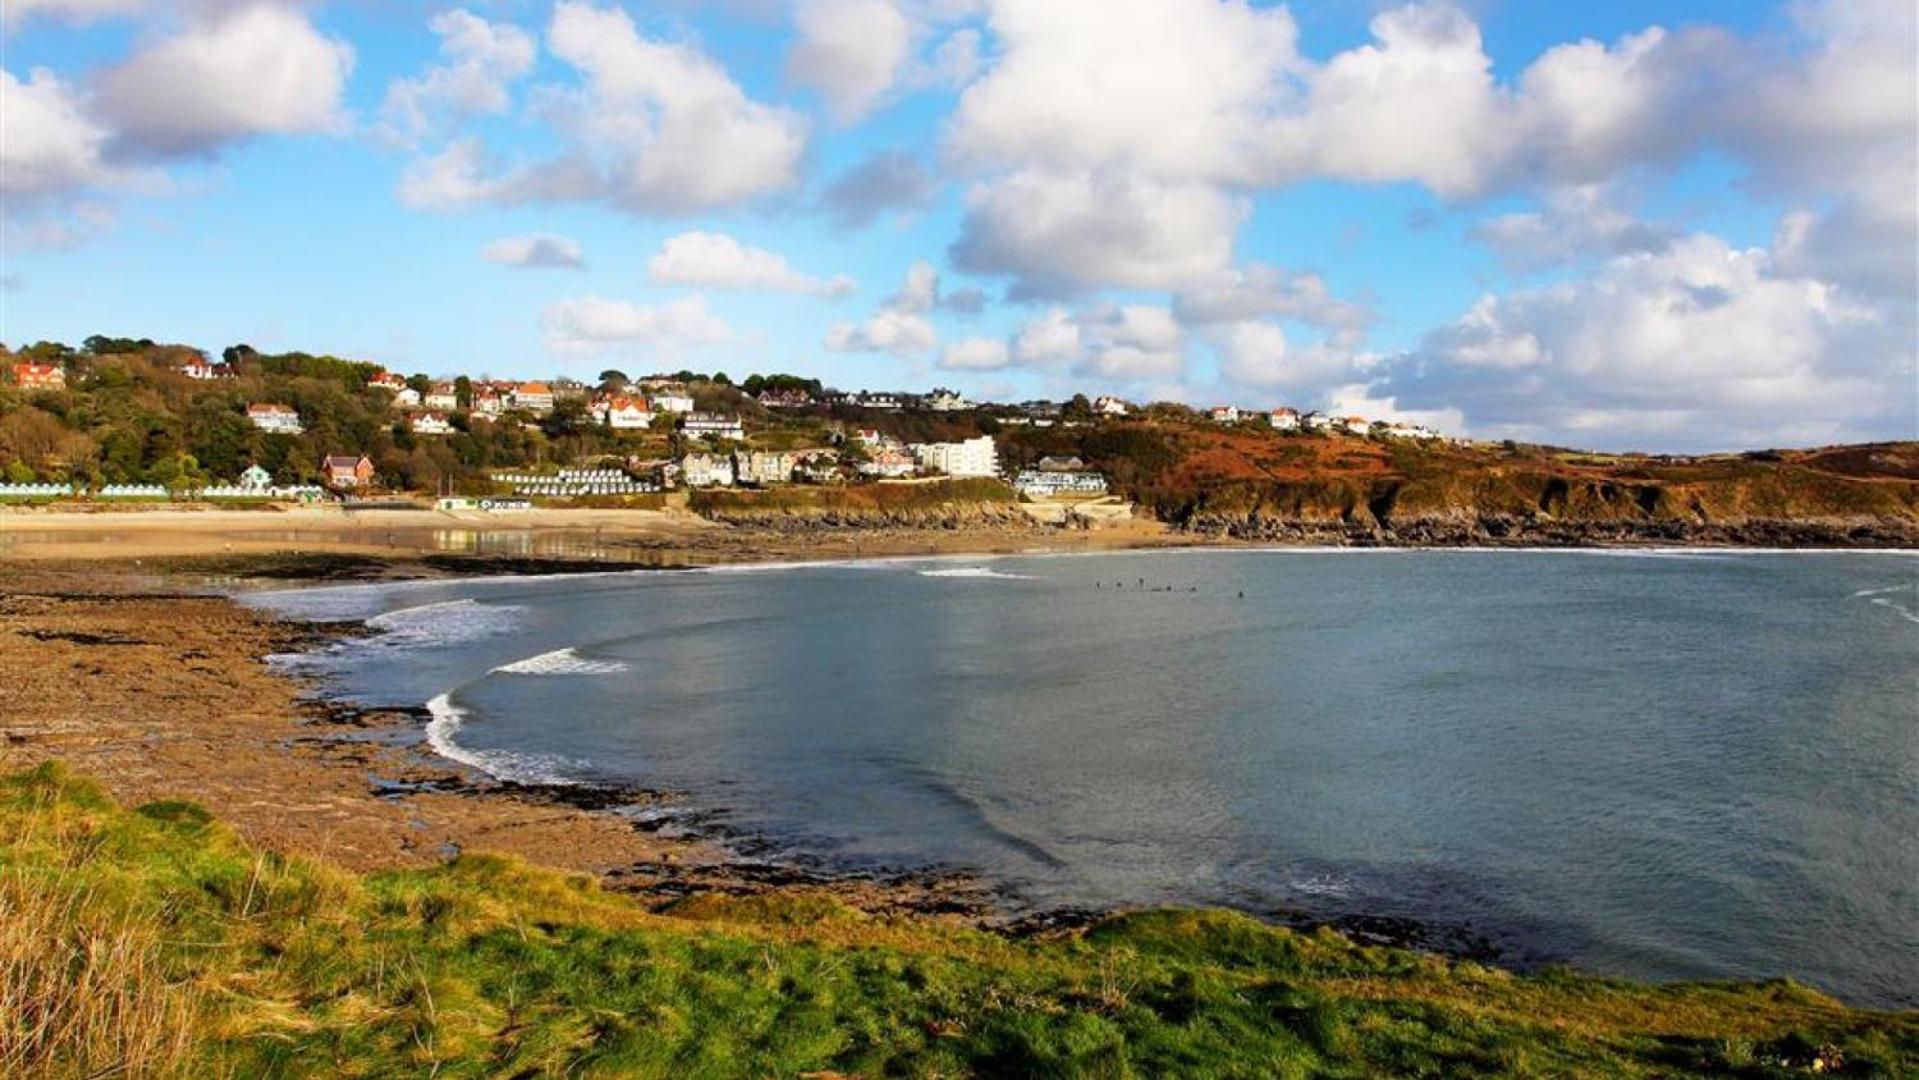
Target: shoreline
[395, 802]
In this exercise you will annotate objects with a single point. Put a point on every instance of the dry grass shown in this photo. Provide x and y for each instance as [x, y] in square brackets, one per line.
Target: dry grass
[83, 990]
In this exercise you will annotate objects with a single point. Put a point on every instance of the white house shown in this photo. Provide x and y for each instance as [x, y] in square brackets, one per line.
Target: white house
[718, 425]
[764, 466]
[255, 479]
[387, 380]
[431, 423]
[275, 419]
[488, 402]
[1354, 425]
[865, 400]
[1110, 406]
[534, 397]
[944, 400]
[671, 401]
[624, 413]
[406, 398]
[1283, 419]
[1225, 414]
[706, 470]
[443, 396]
[1048, 483]
[887, 463]
[974, 457]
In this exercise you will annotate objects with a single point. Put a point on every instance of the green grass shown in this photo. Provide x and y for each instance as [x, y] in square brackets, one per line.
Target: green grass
[152, 942]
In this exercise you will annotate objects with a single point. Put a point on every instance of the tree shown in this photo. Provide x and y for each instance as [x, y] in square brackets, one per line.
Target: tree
[463, 393]
[613, 379]
[1077, 409]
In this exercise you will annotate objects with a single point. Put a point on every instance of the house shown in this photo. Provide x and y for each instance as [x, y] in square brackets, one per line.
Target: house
[1355, 425]
[534, 397]
[347, 470]
[32, 376]
[488, 402]
[202, 371]
[817, 467]
[1315, 421]
[274, 419]
[888, 463]
[431, 423]
[718, 425]
[944, 400]
[443, 396]
[706, 470]
[1051, 483]
[974, 457]
[1283, 419]
[671, 401]
[1400, 429]
[785, 399]
[570, 390]
[762, 467]
[867, 436]
[255, 479]
[387, 380]
[1224, 414]
[1107, 405]
[624, 413]
[406, 398]
[865, 400]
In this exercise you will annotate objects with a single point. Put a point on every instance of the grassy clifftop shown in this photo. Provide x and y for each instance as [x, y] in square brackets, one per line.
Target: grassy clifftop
[152, 942]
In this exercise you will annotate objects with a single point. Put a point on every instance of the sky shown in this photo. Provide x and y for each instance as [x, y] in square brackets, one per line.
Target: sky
[1680, 226]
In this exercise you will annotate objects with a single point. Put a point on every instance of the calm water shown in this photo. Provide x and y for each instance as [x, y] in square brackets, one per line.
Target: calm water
[1675, 765]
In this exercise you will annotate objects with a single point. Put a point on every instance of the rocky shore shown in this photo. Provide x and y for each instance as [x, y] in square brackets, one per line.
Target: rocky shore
[1503, 530]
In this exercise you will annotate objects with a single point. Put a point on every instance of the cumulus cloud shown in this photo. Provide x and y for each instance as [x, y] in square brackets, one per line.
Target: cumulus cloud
[655, 127]
[900, 326]
[717, 260]
[884, 182]
[1058, 233]
[51, 146]
[1257, 355]
[1260, 290]
[479, 62]
[75, 12]
[850, 50]
[252, 70]
[536, 251]
[1131, 343]
[1053, 338]
[592, 326]
[1701, 345]
[975, 354]
[1575, 223]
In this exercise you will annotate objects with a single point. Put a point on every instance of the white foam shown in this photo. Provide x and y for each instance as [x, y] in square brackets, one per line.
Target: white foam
[444, 622]
[448, 718]
[560, 662]
[1907, 587]
[976, 572]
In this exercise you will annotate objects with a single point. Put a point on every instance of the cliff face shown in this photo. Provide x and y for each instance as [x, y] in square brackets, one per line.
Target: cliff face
[1362, 491]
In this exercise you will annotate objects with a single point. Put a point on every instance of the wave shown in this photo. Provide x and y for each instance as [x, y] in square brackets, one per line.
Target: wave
[448, 718]
[443, 622]
[560, 662]
[1909, 586]
[976, 572]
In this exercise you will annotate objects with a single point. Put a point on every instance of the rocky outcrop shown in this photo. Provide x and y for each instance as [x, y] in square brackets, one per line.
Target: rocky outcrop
[1507, 530]
[805, 519]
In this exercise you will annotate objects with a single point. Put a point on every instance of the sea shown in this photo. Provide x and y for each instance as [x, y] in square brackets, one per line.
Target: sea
[1664, 764]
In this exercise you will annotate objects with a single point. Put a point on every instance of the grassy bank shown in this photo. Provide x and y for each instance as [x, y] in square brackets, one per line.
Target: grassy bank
[151, 942]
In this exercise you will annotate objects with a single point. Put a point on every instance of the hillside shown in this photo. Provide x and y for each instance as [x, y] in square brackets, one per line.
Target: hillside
[1255, 483]
[153, 943]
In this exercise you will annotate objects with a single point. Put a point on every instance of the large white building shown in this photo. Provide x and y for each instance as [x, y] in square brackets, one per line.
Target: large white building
[718, 425]
[974, 457]
[277, 419]
[706, 470]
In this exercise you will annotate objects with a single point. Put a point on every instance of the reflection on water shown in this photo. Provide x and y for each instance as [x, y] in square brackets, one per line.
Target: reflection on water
[493, 543]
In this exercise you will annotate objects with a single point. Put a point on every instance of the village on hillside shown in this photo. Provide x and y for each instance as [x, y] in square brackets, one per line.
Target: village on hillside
[636, 436]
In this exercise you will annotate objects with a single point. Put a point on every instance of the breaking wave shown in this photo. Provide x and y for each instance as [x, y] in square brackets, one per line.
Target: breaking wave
[445, 622]
[446, 721]
[975, 572]
[1885, 598]
[560, 662]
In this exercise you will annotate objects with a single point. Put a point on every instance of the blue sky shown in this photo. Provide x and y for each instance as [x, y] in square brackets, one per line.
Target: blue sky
[1664, 225]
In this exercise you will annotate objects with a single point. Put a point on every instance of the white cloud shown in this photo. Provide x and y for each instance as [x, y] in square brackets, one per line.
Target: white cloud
[1053, 338]
[851, 51]
[535, 251]
[250, 71]
[481, 60]
[1701, 345]
[900, 326]
[975, 354]
[1057, 233]
[655, 127]
[1131, 343]
[51, 148]
[719, 261]
[1257, 355]
[75, 12]
[1167, 89]
[887, 180]
[591, 325]
[1260, 290]
[1576, 223]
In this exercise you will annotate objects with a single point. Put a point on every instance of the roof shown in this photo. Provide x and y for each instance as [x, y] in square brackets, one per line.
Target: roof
[345, 461]
[36, 369]
[266, 408]
[534, 388]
